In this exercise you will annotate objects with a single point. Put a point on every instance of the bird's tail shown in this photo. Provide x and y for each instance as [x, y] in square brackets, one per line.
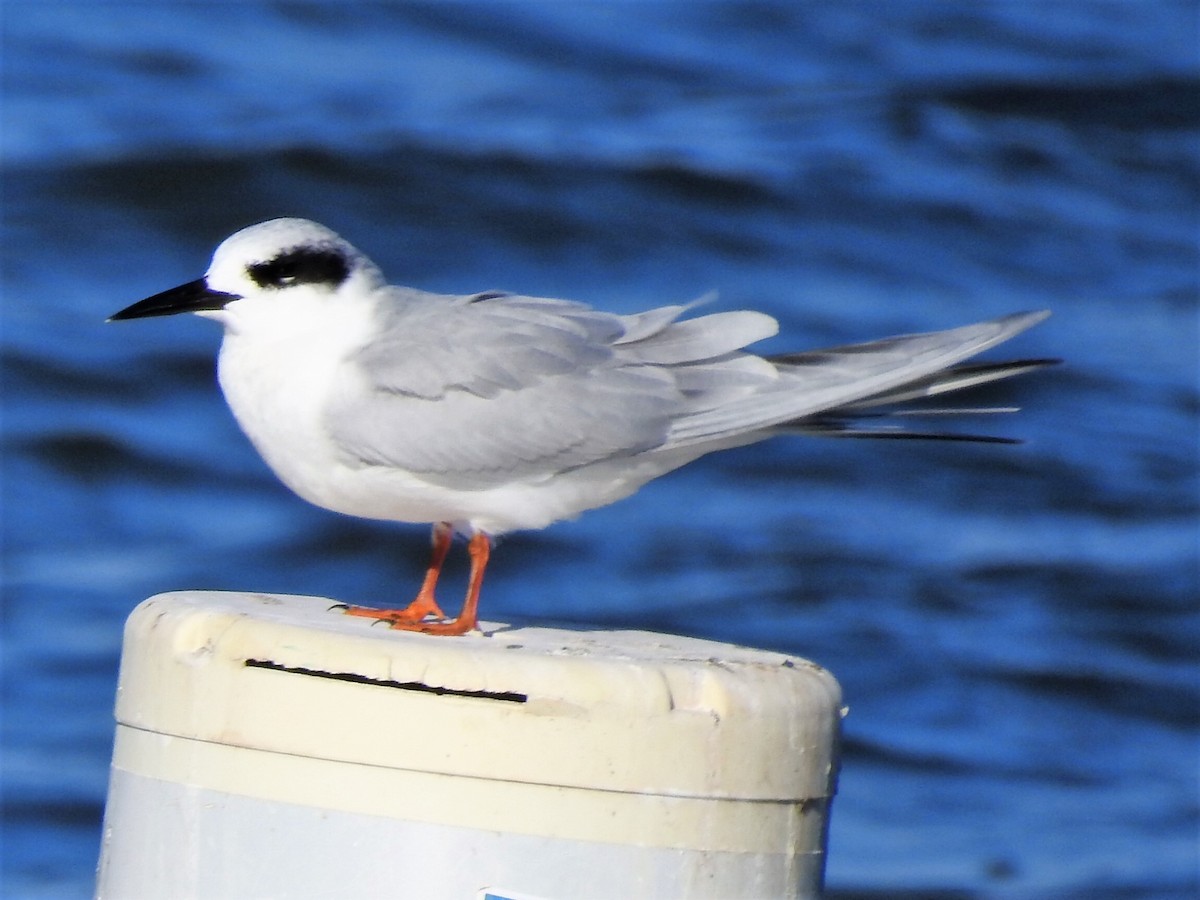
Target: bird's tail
[898, 413]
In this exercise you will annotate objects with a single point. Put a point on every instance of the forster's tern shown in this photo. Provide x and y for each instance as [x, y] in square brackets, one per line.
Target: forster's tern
[492, 412]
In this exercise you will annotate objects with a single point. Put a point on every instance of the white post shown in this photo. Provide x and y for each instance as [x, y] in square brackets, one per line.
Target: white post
[267, 747]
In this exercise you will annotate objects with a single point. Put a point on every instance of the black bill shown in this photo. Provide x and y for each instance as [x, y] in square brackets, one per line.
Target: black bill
[191, 297]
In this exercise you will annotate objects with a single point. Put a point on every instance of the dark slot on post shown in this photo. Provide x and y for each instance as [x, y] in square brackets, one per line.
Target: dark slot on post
[505, 696]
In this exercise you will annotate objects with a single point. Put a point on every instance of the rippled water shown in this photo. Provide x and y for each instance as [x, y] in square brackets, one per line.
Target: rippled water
[1015, 629]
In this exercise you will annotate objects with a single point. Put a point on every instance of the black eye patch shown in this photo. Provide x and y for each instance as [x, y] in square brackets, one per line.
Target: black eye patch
[304, 265]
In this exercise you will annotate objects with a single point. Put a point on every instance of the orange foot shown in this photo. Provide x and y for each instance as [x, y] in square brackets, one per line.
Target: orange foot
[416, 616]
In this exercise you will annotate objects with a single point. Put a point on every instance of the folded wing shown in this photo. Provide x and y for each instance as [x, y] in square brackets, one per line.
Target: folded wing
[478, 391]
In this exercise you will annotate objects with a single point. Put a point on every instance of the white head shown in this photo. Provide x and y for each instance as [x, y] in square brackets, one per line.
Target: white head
[282, 260]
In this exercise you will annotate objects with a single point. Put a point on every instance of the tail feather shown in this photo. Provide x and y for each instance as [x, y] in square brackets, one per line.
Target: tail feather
[870, 417]
[818, 383]
[883, 434]
[957, 378]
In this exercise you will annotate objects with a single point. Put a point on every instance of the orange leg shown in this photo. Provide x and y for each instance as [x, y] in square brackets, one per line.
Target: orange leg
[424, 604]
[480, 548]
[411, 618]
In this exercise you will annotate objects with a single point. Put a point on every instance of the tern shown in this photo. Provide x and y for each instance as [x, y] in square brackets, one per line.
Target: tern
[493, 412]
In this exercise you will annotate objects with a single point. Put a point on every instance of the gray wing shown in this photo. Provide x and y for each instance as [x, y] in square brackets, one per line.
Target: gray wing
[473, 392]
[889, 370]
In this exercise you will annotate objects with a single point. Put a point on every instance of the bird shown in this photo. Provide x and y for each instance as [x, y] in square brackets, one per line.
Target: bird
[493, 412]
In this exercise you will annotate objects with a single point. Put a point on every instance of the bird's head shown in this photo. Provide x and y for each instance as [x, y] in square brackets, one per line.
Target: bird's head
[260, 268]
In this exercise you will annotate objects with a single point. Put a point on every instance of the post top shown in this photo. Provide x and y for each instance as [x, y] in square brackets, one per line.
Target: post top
[283, 673]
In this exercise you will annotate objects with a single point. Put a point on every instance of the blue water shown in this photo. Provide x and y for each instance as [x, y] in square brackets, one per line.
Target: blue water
[1015, 628]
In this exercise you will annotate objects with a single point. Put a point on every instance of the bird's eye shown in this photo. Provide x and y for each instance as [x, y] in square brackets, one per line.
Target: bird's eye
[304, 265]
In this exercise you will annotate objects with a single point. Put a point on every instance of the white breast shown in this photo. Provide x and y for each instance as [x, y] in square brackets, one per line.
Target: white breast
[276, 373]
